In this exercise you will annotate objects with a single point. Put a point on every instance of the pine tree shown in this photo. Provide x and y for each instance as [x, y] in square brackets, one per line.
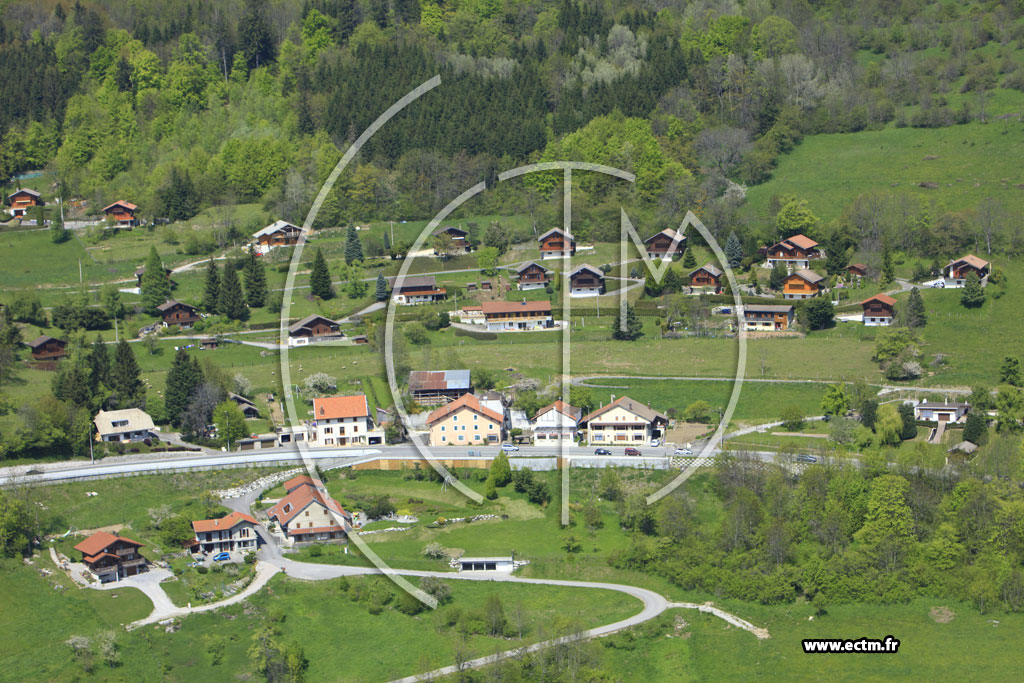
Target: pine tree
[255, 282]
[973, 294]
[124, 377]
[1009, 372]
[733, 251]
[156, 288]
[320, 278]
[211, 291]
[673, 282]
[689, 261]
[633, 328]
[906, 411]
[382, 288]
[353, 247]
[976, 429]
[379, 13]
[231, 303]
[183, 378]
[778, 276]
[916, 314]
[255, 34]
[888, 270]
[407, 11]
[71, 382]
[99, 364]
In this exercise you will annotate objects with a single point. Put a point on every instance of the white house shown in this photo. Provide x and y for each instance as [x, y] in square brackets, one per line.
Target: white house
[344, 421]
[556, 422]
[624, 422]
[130, 424]
[235, 531]
[933, 411]
[490, 564]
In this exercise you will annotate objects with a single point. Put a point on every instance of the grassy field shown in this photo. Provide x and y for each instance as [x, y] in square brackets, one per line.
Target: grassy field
[973, 161]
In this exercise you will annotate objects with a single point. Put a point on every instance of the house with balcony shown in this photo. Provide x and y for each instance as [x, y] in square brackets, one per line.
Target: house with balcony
[122, 214]
[308, 514]
[954, 274]
[767, 318]
[277, 234]
[556, 422]
[126, 425]
[532, 275]
[110, 557]
[666, 245]
[879, 310]
[313, 328]
[856, 271]
[177, 313]
[506, 316]
[802, 284]
[556, 243]
[45, 347]
[624, 422]
[708, 276]
[417, 289]
[586, 281]
[465, 422]
[235, 531]
[794, 252]
[340, 421]
[21, 201]
[456, 239]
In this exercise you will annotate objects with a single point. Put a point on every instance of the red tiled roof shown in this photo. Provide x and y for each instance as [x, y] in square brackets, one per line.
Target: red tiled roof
[468, 401]
[972, 261]
[336, 407]
[858, 266]
[562, 407]
[295, 482]
[801, 241]
[298, 500]
[883, 298]
[639, 409]
[227, 522]
[123, 203]
[493, 307]
[100, 541]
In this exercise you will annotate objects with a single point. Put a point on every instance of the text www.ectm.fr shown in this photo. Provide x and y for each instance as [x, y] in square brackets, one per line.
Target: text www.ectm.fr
[886, 645]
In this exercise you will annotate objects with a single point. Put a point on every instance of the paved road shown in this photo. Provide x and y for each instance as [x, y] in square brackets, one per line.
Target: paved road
[589, 381]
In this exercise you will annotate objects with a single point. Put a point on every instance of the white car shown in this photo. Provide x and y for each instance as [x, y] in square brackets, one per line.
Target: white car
[655, 443]
[682, 451]
[509, 447]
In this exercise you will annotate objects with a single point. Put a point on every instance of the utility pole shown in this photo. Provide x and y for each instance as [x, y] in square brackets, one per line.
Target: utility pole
[91, 458]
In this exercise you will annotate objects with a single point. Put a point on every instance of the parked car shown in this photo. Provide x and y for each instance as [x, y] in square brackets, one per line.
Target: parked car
[632, 451]
[806, 458]
[939, 285]
[655, 443]
[221, 557]
[602, 451]
[509, 447]
[682, 451]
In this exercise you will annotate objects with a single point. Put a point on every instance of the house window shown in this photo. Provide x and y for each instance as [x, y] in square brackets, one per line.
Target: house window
[288, 507]
[442, 428]
[476, 428]
[461, 437]
[475, 416]
[307, 513]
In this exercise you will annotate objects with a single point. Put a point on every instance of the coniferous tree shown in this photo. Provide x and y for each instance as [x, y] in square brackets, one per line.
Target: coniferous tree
[906, 411]
[353, 247]
[125, 377]
[1009, 371]
[689, 260]
[183, 378]
[211, 291]
[633, 328]
[407, 11]
[99, 364]
[255, 34]
[231, 303]
[382, 288]
[777, 277]
[888, 270]
[255, 282]
[976, 428]
[916, 314]
[733, 251]
[156, 288]
[379, 13]
[973, 294]
[178, 199]
[71, 382]
[320, 277]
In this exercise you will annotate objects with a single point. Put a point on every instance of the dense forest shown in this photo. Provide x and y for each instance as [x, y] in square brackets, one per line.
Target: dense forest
[255, 100]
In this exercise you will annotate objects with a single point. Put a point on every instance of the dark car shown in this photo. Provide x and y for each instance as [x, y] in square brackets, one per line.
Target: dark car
[602, 451]
[806, 458]
[632, 451]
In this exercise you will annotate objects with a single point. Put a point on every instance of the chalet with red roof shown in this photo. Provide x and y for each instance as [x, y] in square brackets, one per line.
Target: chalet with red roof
[122, 213]
[955, 273]
[556, 243]
[667, 244]
[176, 313]
[794, 252]
[340, 421]
[23, 200]
[235, 531]
[856, 271]
[505, 316]
[465, 422]
[45, 347]
[879, 310]
[110, 557]
[308, 514]
[802, 284]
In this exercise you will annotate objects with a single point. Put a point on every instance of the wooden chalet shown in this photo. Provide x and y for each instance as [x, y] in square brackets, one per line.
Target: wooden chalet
[45, 347]
[856, 270]
[767, 318]
[706, 276]
[313, 328]
[586, 281]
[277, 234]
[459, 238]
[122, 213]
[667, 244]
[503, 316]
[419, 289]
[23, 200]
[955, 272]
[111, 557]
[878, 310]
[248, 408]
[208, 343]
[141, 270]
[176, 313]
[556, 243]
[532, 275]
[794, 252]
[802, 284]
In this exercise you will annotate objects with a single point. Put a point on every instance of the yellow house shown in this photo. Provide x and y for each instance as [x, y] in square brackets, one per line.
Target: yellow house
[624, 422]
[464, 422]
